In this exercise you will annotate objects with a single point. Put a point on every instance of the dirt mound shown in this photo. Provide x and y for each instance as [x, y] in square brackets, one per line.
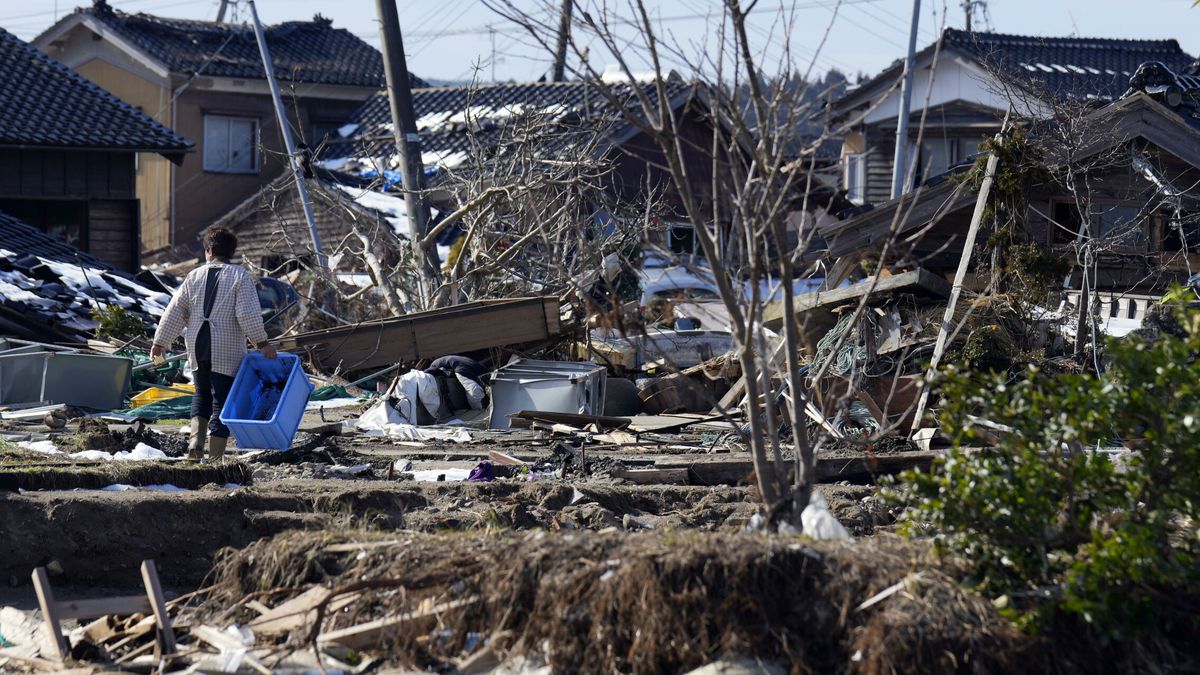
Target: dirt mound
[637, 603]
[94, 434]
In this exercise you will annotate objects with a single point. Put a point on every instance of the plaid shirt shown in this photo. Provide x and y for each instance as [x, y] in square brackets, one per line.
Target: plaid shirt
[235, 316]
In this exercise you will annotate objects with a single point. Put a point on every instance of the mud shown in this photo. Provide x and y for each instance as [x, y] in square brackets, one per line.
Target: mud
[100, 537]
[94, 434]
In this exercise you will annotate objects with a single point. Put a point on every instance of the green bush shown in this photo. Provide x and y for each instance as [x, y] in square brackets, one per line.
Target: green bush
[1050, 524]
[117, 323]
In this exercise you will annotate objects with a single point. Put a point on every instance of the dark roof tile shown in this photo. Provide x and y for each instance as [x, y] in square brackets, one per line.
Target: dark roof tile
[44, 103]
[461, 118]
[45, 291]
[312, 52]
[1069, 66]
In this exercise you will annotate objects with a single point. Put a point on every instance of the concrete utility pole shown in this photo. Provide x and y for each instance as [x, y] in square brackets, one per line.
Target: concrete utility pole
[408, 145]
[900, 161]
[289, 145]
[221, 11]
[564, 37]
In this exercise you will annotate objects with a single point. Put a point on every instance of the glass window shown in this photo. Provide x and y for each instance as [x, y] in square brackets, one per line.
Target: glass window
[856, 178]
[230, 144]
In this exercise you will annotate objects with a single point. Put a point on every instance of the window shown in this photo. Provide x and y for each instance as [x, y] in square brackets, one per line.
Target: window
[855, 180]
[939, 154]
[1121, 227]
[230, 144]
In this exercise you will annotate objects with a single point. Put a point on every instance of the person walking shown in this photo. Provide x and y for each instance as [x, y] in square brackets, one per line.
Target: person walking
[216, 310]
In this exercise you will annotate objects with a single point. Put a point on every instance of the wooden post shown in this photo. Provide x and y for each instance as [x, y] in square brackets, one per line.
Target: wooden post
[939, 347]
[560, 50]
[408, 145]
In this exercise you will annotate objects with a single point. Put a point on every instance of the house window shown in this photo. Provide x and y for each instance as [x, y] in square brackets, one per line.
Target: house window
[939, 154]
[230, 144]
[855, 179]
[1118, 227]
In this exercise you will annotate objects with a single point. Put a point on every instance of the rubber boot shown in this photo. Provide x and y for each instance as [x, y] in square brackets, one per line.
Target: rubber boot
[199, 433]
[216, 448]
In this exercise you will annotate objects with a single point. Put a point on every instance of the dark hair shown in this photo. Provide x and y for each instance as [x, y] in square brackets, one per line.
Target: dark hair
[220, 242]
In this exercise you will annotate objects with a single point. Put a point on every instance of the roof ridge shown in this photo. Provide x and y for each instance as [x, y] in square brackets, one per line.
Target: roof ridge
[984, 36]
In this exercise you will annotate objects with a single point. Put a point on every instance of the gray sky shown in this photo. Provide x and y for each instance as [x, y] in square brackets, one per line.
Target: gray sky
[450, 39]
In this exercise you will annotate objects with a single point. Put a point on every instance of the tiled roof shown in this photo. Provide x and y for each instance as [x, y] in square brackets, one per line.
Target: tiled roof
[313, 52]
[44, 103]
[453, 121]
[1069, 66]
[51, 287]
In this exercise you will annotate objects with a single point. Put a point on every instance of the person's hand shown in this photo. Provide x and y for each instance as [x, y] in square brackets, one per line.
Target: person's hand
[268, 350]
[157, 351]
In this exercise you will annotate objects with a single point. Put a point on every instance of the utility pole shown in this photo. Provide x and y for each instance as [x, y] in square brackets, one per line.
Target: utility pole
[221, 11]
[900, 160]
[969, 7]
[408, 145]
[564, 37]
[289, 145]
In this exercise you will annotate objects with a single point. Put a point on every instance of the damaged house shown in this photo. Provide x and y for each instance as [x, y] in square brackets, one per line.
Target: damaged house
[1118, 203]
[206, 80]
[975, 76]
[68, 155]
[481, 135]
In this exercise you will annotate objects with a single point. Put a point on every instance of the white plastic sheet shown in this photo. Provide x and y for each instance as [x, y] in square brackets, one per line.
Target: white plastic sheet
[382, 419]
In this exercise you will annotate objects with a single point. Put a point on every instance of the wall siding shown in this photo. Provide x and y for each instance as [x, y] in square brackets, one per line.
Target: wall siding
[153, 178]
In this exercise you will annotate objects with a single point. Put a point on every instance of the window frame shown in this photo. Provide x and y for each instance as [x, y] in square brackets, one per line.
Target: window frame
[1150, 240]
[256, 156]
[856, 161]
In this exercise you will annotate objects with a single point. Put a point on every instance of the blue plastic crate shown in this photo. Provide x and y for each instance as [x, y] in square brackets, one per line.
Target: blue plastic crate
[259, 417]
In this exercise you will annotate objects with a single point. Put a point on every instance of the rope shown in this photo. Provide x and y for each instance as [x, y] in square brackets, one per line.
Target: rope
[847, 357]
[856, 420]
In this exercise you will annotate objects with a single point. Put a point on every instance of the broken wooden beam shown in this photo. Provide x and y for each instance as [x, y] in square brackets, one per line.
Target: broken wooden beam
[374, 633]
[427, 335]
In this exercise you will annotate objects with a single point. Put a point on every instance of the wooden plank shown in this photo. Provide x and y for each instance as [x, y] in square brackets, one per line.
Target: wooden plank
[94, 607]
[574, 420]
[430, 334]
[45, 596]
[301, 610]
[159, 605]
[919, 282]
[673, 476]
[667, 423]
[372, 633]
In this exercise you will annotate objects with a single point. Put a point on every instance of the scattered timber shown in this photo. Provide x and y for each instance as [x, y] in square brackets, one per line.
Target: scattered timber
[920, 282]
[428, 335]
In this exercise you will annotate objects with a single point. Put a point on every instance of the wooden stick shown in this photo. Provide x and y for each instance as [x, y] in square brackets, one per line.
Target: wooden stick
[41, 584]
[159, 605]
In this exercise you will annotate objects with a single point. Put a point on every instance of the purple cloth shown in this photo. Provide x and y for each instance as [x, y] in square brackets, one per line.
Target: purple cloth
[483, 472]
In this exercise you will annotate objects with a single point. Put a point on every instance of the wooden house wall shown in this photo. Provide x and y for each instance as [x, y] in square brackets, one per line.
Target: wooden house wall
[153, 178]
[274, 231]
[202, 196]
[103, 180]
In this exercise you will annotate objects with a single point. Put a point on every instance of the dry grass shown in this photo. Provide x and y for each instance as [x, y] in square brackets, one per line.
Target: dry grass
[644, 603]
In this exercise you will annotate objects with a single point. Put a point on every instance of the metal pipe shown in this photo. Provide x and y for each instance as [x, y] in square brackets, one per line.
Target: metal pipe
[289, 145]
